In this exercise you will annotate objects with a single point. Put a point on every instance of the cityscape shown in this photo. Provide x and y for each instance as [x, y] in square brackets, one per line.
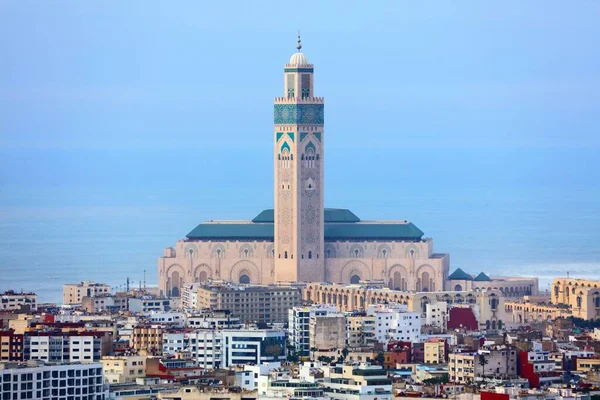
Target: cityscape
[304, 302]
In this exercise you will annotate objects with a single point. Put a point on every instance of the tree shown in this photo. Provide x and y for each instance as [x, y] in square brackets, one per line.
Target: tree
[380, 358]
[483, 362]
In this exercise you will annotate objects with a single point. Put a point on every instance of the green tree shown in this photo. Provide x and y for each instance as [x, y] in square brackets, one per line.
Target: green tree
[483, 362]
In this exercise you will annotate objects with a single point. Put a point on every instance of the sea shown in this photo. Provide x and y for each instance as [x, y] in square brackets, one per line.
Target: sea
[68, 215]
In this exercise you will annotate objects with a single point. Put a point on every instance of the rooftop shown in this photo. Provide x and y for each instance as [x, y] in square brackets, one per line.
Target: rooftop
[460, 275]
[340, 225]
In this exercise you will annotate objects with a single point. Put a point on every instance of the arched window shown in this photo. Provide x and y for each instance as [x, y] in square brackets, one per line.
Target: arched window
[310, 254]
[355, 279]
[356, 253]
[246, 253]
[285, 254]
[328, 253]
[219, 253]
[244, 279]
[458, 288]
[579, 301]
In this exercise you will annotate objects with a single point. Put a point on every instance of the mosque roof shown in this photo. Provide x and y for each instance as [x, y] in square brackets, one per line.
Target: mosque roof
[340, 224]
[482, 278]
[331, 215]
[460, 275]
[298, 58]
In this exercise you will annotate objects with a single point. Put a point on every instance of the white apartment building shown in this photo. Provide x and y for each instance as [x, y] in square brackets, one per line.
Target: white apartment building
[299, 325]
[172, 318]
[52, 382]
[73, 293]
[11, 300]
[189, 295]
[437, 314]
[62, 348]
[357, 382]
[214, 320]
[148, 304]
[393, 323]
[227, 347]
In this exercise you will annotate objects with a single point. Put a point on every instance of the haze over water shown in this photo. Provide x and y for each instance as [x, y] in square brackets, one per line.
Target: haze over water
[123, 125]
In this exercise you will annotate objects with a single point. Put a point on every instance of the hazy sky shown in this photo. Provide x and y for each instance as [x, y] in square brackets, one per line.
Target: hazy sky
[395, 74]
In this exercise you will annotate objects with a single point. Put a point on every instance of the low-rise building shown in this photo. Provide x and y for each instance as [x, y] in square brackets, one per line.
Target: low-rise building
[471, 366]
[123, 369]
[73, 293]
[148, 304]
[214, 320]
[357, 382]
[105, 302]
[12, 301]
[207, 393]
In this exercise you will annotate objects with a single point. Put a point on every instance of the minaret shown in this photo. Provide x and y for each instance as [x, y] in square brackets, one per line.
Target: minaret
[299, 143]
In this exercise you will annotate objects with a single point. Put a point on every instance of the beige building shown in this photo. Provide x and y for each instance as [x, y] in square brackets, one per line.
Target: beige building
[328, 332]
[434, 351]
[588, 364]
[73, 293]
[300, 240]
[208, 393]
[508, 286]
[123, 369]
[523, 312]
[487, 305]
[361, 330]
[467, 367]
[250, 303]
[12, 301]
[583, 296]
[147, 339]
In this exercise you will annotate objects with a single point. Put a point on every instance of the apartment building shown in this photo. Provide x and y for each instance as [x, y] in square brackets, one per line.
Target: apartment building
[73, 293]
[11, 346]
[52, 382]
[63, 347]
[299, 326]
[11, 301]
[226, 347]
[123, 369]
[472, 366]
[394, 323]
[357, 382]
[147, 338]
[254, 303]
[328, 332]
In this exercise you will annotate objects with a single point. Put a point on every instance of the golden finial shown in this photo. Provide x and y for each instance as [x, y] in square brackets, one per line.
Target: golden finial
[299, 46]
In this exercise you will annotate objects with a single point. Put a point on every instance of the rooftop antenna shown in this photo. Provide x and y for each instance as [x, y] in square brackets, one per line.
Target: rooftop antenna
[144, 280]
[127, 284]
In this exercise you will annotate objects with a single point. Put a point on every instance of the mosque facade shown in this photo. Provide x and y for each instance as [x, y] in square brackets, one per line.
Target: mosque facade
[300, 240]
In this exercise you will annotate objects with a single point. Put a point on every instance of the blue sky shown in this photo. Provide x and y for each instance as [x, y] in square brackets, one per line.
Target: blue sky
[116, 75]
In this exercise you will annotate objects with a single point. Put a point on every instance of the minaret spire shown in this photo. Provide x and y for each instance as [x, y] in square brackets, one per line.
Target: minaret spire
[299, 45]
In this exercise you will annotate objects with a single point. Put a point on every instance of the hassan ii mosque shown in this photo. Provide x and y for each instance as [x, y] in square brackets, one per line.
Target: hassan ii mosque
[300, 240]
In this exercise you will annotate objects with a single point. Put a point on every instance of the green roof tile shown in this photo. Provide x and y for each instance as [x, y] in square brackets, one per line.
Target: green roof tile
[331, 215]
[460, 275]
[340, 224]
[482, 278]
